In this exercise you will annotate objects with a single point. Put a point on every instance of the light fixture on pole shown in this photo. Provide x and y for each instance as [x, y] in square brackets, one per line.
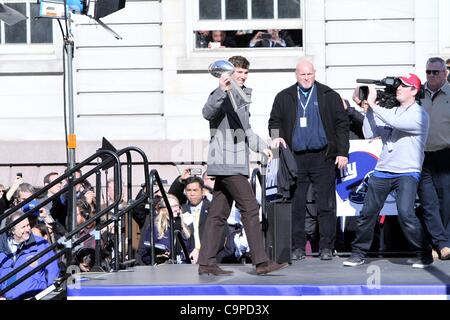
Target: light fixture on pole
[62, 10]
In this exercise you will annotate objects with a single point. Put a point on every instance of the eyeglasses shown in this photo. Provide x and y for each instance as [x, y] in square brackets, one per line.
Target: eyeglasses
[433, 72]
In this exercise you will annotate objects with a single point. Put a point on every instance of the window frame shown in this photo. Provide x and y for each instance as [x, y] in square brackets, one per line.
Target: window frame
[250, 23]
[28, 47]
[194, 23]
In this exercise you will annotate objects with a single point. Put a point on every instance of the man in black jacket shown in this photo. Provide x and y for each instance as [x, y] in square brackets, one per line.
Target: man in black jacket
[309, 117]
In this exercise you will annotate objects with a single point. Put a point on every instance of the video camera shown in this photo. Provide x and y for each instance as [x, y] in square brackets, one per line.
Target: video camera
[387, 97]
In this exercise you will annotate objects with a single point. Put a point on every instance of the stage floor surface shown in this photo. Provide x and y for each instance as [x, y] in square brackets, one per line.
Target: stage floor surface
[311, 278]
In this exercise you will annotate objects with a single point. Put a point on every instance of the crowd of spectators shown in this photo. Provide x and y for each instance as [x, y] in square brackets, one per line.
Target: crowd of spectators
[214, 39]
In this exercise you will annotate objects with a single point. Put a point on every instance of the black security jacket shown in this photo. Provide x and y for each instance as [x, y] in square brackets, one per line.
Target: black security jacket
[333, 115]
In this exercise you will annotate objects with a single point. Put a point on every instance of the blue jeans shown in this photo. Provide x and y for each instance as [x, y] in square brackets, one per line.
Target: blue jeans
[405, 188]
[434, 194]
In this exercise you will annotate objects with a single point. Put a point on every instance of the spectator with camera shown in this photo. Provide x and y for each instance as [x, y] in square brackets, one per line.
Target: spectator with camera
[8, 197]
[403, 131]
[271, 38]
[195, 209]
[178, 186]
[434, 186]
[24, 191]
[17, 246]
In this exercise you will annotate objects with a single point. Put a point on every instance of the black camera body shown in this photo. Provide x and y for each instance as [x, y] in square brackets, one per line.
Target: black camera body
[266, 36]
[386, 98]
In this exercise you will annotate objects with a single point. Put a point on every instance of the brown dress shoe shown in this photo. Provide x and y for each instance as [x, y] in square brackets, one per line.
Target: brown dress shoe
[214, 270]
[269, 266]
[445, 253]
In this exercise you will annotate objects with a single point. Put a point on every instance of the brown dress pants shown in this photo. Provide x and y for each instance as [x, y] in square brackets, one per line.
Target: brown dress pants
[227, 189]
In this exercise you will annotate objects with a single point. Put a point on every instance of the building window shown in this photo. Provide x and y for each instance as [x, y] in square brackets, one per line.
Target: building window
[29, 31]
[267, 38]
[249, 9]
[241, 20]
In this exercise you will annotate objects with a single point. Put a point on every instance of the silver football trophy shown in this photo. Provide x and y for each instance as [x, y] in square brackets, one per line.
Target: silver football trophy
[218, 68]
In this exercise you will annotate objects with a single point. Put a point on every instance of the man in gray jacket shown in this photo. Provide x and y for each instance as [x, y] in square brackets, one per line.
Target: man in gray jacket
[228, 160]
[403, 131]
[434, 185]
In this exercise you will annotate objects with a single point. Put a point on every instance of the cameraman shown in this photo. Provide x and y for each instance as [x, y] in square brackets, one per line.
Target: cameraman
[403, 131]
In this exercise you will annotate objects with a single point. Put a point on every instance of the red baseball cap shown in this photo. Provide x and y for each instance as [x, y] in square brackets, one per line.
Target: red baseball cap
[412, 80]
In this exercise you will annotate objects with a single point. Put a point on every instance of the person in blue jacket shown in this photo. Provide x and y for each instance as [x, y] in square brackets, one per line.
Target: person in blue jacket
[17, 246]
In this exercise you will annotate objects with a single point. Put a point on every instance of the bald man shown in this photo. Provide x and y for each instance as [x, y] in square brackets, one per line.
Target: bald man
[309, 118]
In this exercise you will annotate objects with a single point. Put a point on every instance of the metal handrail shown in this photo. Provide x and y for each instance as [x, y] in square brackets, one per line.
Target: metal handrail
[146, 195]
[63, 190]
[65, 240]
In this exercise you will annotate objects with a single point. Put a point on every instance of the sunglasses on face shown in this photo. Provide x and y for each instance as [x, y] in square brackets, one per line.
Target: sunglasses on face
[433, 72]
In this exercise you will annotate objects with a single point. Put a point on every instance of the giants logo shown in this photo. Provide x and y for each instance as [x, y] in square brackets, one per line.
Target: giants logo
[352, 183]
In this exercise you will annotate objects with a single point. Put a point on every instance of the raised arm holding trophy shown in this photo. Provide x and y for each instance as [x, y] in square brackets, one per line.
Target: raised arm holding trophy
[221, 67]
[227, 110]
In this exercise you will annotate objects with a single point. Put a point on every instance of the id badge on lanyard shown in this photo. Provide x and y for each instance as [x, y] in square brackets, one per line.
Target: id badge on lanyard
[303, 122]
[304, 119]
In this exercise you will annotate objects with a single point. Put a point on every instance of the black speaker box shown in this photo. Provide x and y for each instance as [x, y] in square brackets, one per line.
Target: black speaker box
[106, 7]
[278, 236]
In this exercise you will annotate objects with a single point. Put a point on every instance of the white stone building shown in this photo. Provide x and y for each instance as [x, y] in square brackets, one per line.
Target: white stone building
[148, 89]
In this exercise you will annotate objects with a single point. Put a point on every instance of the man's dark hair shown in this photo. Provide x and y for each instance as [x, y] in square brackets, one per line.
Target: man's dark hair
[239, 62]
[85, 255]
[195, 179]
[43, 230]
[48, 175]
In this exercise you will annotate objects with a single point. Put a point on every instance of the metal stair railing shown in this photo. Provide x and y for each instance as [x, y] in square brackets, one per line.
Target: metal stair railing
[65, 241]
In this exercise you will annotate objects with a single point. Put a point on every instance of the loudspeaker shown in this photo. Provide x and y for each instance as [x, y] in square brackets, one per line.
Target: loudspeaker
[278, 236]
[106, 7]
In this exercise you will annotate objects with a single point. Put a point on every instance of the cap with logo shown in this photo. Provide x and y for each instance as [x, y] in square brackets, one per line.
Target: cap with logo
[411, 80]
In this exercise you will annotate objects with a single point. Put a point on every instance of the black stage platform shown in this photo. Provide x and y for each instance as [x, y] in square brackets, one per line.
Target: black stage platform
[383, 278]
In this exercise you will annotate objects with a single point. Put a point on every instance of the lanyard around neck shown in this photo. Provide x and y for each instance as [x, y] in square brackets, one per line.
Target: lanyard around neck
[304, 106]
